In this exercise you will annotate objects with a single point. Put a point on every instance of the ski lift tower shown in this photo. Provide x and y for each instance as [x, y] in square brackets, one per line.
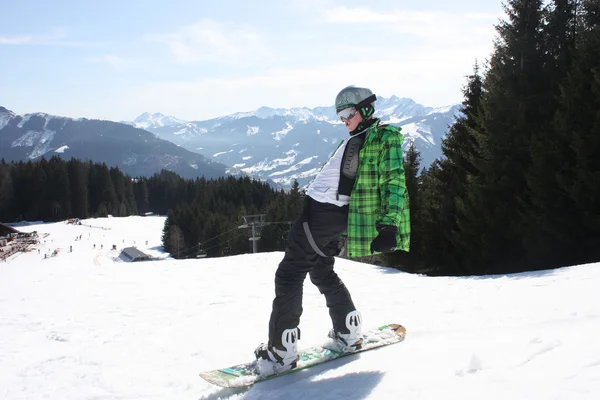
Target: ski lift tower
[256, 222]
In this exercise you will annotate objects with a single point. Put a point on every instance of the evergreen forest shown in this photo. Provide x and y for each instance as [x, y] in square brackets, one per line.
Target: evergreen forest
[518, 186]
[204, 216]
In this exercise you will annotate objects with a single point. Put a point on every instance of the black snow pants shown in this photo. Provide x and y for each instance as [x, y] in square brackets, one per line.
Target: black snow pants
[312, 244]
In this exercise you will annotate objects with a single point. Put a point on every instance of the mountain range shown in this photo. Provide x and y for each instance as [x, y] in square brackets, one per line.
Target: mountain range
[273, 144]
[135, 151]
[283, 145]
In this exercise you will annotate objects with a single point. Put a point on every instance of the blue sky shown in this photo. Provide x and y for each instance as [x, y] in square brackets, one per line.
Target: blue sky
[202, 59]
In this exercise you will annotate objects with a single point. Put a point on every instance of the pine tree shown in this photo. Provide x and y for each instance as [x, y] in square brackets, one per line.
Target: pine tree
[166, 233]
[294, 204]
[445, 228]
[38, 209]
[412, 164]
[130, 203]
[514, 107]
[78, 178]
[460, 146]
[108, 196]
[7, 194]
[141, 195]
[121, 202]
[577, 123]
[546, 235]
[59, 189]
[463, 153]
[176, 241]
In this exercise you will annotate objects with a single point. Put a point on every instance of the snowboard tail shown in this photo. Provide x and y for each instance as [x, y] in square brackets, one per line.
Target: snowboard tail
[247, 374]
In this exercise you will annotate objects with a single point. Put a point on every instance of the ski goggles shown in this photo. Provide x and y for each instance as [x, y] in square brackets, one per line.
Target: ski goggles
[347, 113]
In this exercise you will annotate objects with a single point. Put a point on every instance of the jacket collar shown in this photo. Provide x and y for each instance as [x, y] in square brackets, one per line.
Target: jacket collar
[363, 126]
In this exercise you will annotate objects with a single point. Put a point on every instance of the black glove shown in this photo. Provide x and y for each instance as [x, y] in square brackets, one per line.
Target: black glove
[385, 242]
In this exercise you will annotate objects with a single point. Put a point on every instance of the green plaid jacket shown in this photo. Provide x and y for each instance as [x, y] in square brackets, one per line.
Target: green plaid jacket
[379, 195]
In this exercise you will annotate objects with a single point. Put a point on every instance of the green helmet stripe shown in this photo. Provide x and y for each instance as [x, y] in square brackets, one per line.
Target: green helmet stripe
[344, 105]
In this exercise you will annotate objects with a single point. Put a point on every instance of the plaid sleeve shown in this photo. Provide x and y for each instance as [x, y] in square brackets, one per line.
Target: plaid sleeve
[392, 186]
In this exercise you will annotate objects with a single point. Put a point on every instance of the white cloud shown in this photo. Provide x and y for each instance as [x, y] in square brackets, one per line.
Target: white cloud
[209, 41]
[453, 27]
[431, 72]
[342, 14]
[112, 60]
[418, 77]
[16, 39]
[51, 38]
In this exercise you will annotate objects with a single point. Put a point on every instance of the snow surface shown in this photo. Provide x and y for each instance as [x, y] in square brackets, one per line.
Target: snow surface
[266, 165]
[281, 134]
[39, 141]
[61, 149]
[441, 110]
[84, 326]
[294, 167]
[295, 113]
[221, 153]
[415, 130]
[5, 118]
[26, 118]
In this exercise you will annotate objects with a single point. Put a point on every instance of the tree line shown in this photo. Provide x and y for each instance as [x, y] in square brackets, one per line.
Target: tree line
[208, 223]
[53, 190]
[199, 210]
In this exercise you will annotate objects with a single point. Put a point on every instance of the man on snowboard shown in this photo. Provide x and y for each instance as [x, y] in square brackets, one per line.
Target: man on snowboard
[361, 190]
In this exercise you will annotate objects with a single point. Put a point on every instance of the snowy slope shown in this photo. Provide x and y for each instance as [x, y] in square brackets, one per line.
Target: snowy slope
[82, 326]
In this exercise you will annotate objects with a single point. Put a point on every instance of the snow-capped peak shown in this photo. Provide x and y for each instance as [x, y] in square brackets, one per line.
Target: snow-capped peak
[5, 116]
[147, 116]
[156, 120]
[444, 109]
[393, 108]
[3, 110]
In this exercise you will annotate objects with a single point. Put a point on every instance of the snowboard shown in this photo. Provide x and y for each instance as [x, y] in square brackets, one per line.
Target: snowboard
[247, 374]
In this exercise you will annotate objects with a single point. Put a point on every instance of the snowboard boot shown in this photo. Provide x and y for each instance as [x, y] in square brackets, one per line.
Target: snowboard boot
[347, 342]
[271, 360]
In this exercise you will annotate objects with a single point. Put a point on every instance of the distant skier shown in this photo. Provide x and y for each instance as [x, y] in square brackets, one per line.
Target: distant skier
[361, 190]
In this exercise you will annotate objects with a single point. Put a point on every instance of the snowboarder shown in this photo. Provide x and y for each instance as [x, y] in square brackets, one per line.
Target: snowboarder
[361, 190]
